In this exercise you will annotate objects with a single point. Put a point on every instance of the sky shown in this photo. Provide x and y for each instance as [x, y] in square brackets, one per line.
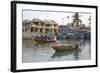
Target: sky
[62, 18]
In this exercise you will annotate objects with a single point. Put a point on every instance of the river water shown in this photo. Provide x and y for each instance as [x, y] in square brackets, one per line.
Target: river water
[43, 52]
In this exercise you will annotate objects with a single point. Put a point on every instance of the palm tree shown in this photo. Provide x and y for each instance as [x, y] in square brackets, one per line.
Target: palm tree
[76, 19]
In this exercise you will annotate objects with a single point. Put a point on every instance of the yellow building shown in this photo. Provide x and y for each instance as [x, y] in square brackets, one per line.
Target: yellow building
[39, 26]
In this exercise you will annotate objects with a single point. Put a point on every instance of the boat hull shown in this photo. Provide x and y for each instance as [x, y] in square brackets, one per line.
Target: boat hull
[44, 41]
[63, 48]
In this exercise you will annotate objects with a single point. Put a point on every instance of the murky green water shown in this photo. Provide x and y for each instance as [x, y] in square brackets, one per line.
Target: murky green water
[42, 52]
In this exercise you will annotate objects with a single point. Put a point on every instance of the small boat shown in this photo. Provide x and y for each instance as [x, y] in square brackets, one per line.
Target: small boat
[44, 39]
[63, 47]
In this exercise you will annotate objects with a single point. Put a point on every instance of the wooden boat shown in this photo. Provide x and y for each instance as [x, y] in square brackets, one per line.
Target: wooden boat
[44, 39]
[63, 47]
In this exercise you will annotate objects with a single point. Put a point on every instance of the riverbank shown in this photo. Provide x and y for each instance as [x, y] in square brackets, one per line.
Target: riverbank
[31, 35]
[60, 35]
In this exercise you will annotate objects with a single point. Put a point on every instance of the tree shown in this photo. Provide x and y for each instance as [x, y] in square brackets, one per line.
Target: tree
[76, 19]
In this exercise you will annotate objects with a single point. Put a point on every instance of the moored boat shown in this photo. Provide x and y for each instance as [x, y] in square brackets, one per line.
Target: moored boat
[44, 39]
[62, 47]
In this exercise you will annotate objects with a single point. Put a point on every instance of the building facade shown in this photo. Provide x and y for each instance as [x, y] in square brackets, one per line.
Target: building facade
[40, 26]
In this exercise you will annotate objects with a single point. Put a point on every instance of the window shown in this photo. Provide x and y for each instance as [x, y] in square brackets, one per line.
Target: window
[32, 29]
[41, 30]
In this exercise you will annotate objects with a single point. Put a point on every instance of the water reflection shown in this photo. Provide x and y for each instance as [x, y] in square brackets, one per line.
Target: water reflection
[41, 52]
[65, 53]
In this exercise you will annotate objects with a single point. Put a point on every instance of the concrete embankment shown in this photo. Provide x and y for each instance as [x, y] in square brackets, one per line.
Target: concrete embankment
[30, 35]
